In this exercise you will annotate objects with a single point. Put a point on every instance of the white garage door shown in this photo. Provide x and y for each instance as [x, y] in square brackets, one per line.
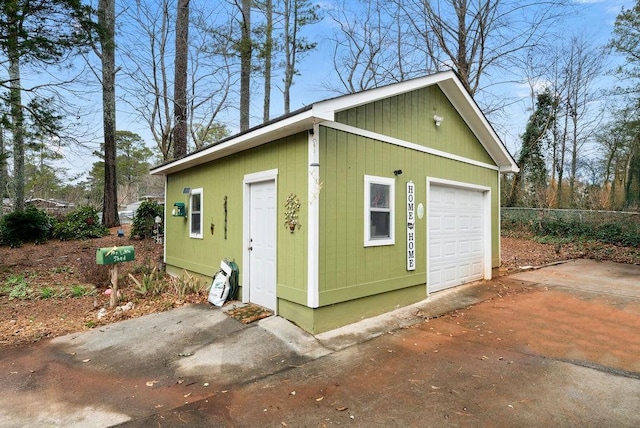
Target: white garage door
[456, 238]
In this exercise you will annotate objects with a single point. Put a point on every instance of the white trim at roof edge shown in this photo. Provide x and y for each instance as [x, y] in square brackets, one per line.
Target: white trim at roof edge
[406, 144]
[468, 109]
[253, 138]
[447, 81]
[371, 95]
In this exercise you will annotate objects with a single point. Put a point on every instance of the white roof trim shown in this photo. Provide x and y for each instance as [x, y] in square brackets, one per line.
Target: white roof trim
[325, 111]
[406, 144]
[478, 123]
[253, 138]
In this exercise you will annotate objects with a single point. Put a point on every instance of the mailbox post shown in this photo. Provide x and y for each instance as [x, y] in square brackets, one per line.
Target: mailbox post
[114, 256]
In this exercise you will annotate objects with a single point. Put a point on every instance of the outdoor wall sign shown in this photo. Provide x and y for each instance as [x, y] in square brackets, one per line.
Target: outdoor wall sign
[411, 221]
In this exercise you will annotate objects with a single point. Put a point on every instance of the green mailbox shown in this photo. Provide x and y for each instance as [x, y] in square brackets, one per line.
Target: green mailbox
[112, 255]
[179, 210]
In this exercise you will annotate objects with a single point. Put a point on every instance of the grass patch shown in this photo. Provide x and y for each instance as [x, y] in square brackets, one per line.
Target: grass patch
[62, 269]
[16, 287]
[82, 291]
[47, 293]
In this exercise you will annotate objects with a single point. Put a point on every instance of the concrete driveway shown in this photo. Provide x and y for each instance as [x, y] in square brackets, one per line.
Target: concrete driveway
[554, 346]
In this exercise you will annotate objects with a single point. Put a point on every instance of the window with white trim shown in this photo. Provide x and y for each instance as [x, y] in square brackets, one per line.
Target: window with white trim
[195, 213]
[379, 197]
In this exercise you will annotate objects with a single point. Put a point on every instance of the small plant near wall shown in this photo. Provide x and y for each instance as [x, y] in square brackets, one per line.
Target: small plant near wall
[292, 207]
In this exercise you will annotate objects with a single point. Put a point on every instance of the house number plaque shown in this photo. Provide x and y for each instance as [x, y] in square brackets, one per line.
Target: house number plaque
[411, 221]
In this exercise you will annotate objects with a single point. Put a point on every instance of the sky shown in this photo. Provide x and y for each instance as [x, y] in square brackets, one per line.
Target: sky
[593, 18]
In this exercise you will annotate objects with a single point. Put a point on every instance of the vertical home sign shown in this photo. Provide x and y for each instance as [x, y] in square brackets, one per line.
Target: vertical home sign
[411, 221]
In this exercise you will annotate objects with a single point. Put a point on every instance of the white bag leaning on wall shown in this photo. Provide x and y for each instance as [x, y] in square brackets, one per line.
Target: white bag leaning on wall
[220, 286]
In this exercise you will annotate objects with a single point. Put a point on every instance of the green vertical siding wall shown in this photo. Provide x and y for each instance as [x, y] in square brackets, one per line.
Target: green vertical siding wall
[224, 177]
[409, 117]
[348, 269]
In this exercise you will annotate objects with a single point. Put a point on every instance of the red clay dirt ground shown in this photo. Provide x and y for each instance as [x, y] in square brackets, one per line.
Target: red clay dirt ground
[65, 267]
[523, 355]
[473, 367]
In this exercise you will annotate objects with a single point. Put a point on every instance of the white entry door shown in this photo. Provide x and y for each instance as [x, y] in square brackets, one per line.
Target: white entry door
[456, 236]
[262, 244]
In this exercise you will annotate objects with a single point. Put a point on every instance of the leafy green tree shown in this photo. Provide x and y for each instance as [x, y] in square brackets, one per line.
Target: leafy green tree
[132, 165]
[42, 182]
[626, 40]
[145, 219]
[34, 34]
[206, 135]
[535, 138]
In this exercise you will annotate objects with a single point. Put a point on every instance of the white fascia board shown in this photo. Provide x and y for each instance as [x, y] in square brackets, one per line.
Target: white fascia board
[261, 135]
[478, 123]
[406, 144]
[326, 109]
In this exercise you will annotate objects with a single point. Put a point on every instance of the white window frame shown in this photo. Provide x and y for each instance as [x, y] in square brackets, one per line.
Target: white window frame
[369, 241]
[191, 212]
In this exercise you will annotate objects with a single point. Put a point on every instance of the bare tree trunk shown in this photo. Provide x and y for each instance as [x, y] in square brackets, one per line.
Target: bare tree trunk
[629, 174]
[461, 55]
[574, 160]
[297, 14]
[17, 119]
[180, 82]
[3, 168]
[289, 51]
[17, 114]
[563, 150]
[610, 156]
[245, 66]
[268, 52]
[107, 21]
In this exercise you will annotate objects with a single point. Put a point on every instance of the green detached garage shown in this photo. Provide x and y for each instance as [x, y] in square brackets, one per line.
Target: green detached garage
[347, 208]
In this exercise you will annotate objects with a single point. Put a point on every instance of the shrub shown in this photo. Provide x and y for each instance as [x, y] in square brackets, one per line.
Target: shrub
[150, 284]
[30, 225]
[145, 219]
[616, 232]
[82, 223]
[187, 284]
